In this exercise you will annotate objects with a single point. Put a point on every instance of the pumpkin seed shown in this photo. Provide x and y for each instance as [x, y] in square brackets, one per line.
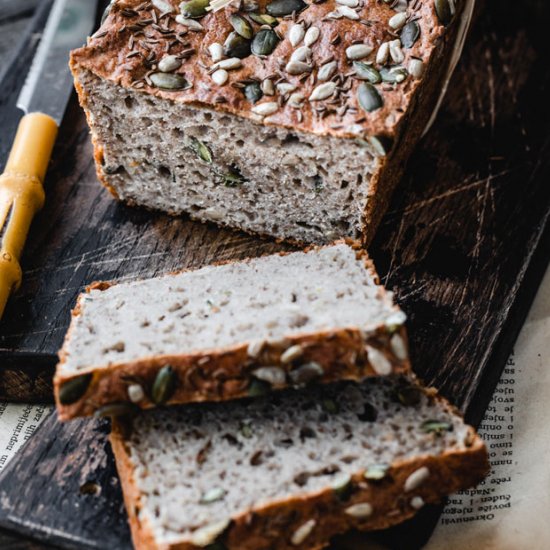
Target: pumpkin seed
[250, 5]
[410, 34]
[164, 385]
[117, 409]
[253, 92]
[408, 396]
[241, 26]
[330, 406]
[202, 151]
[436, 426]
[233, 177]
[258, 388]
[246, 431]
[194, 8]
[306, 373]
[282, 8]
[217, 493]
[236, 46]
[169, 81]
[264, 19]
[264, 42]
[393, 75]
[73, 389]
[368, 97]
[444, 11]
[366, 72]
[362, 510]
[275, 376]
[342, 486]
[381, 144]
[376, 472]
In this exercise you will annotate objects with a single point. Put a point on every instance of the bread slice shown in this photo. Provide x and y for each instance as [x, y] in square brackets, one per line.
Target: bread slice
[293, 469]
[299, 127]
[229, 331]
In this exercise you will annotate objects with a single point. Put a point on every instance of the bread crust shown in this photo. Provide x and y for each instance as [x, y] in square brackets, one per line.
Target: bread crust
[226, 373]
[271, 526]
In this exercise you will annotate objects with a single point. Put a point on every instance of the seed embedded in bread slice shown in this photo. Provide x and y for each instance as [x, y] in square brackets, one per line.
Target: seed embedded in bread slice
[292, 469]
[231, 330]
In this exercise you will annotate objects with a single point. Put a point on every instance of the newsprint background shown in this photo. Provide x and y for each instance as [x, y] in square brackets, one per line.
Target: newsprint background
[510, 509]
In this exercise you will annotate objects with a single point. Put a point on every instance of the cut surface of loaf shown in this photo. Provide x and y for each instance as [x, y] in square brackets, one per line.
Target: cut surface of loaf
[293, 469]
[292, 126]
[231, 330]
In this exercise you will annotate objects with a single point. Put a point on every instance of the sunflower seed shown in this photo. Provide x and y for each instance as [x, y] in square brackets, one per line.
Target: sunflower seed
[383, 53]
[409, 34]
[194, 8]
[257, 388]
[189, 23]
[296, 100]
[399, 348]
[135, 393]
[416, 68]
[362, 510]
[253, 92]
[370, 100]
[417, 503]
[323, 91]
[397, 21]
[236, 46]
[282, 8]
[212, 495]
[416, 479]
[378, 361]
[366, 72]
[326, 71]
[264, 19]
[169, 63]
[358, 51]
[435, 426]
[306, 373]
[285, 88]
[168, 81]
[216, 51]
[255, 348]
[220, 77]
[163, 6]
[207, 535]
[444, 11]
[272, 375]
[265, 109]
[301, 54]
[395, 320]
[297, 67]
[396, 53]
[164, 385]
[296, 34]
[228, 64]
[264, 42]
[347, 12]
[201, 150]
[267, 87]
[393, 75]
[348, 3]
[293, 352]
[74, 388]
[117, 409]
[233, 177]
[312, 35]
[376, 472]
[342, 486]
[241, 26]
[303, 532]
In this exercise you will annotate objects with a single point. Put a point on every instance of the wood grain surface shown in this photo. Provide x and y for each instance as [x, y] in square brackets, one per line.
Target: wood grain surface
[464, 246]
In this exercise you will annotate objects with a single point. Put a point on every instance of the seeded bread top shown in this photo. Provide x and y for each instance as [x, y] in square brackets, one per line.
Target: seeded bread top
[347, 68]
[200, 465]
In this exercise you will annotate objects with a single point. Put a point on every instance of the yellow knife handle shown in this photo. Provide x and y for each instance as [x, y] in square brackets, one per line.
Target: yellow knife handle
[22, 194]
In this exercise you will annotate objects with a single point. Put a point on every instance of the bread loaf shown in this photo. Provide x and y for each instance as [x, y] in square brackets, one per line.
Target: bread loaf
[229, 331]
[283, 117]
[293, 469]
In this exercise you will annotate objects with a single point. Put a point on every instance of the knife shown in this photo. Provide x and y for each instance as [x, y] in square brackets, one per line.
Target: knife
[43, 99]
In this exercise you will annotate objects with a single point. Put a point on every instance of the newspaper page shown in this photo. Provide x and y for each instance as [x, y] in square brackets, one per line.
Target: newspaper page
[17, 424]
[509, 510]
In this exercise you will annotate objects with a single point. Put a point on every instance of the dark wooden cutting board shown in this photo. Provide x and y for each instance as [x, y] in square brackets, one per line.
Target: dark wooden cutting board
[464, 247]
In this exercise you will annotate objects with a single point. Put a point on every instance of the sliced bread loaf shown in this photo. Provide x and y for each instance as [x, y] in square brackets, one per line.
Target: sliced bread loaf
[229, 331]
[280, 117]
[293, 469]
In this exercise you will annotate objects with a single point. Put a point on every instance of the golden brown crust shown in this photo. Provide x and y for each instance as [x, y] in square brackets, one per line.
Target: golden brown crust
[271, 525]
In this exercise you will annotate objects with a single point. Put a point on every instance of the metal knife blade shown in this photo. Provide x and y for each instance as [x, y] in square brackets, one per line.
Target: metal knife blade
[49, 83]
